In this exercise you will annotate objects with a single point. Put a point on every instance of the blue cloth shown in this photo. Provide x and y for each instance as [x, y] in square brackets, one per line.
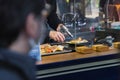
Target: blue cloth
[35, 53]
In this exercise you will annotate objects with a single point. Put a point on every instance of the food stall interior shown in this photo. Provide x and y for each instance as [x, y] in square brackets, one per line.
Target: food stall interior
[86, 22]
[96, 38]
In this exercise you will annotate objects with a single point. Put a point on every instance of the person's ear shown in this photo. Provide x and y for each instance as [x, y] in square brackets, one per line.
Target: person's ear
[31, 26]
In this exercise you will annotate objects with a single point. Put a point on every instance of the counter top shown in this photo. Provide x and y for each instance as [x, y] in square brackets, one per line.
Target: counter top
[73, 56]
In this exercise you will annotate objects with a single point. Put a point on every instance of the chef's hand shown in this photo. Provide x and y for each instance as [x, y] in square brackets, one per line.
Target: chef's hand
[57, 36]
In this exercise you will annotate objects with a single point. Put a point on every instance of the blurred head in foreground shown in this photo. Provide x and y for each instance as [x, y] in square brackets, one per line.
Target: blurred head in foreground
[20, 24]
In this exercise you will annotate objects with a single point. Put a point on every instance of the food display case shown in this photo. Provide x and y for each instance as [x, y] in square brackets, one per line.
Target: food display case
[93, 51]
[77, 23]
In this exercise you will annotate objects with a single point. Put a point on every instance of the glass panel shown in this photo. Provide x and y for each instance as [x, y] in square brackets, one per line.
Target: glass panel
[84, 18]
[80, 17]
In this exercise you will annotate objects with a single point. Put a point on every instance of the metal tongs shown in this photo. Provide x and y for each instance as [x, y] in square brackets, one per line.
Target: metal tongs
[68, 32]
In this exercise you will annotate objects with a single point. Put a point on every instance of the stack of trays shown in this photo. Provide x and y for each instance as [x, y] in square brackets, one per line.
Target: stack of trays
[94, 48]
[116, 45]
[84, 49]
[100, 48]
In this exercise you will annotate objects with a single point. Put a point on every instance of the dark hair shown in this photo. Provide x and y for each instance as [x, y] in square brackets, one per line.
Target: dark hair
[13, 15]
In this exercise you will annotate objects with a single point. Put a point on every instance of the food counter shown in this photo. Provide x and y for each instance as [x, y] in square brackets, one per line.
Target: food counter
[72, 56]
[76, 66]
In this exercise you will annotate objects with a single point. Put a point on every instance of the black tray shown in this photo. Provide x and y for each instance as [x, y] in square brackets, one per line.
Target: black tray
[72, 46]
[57, 52]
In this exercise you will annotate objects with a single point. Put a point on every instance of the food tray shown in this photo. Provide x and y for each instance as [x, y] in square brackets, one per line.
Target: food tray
[57, 52]
[72, 46]
[79, 44]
